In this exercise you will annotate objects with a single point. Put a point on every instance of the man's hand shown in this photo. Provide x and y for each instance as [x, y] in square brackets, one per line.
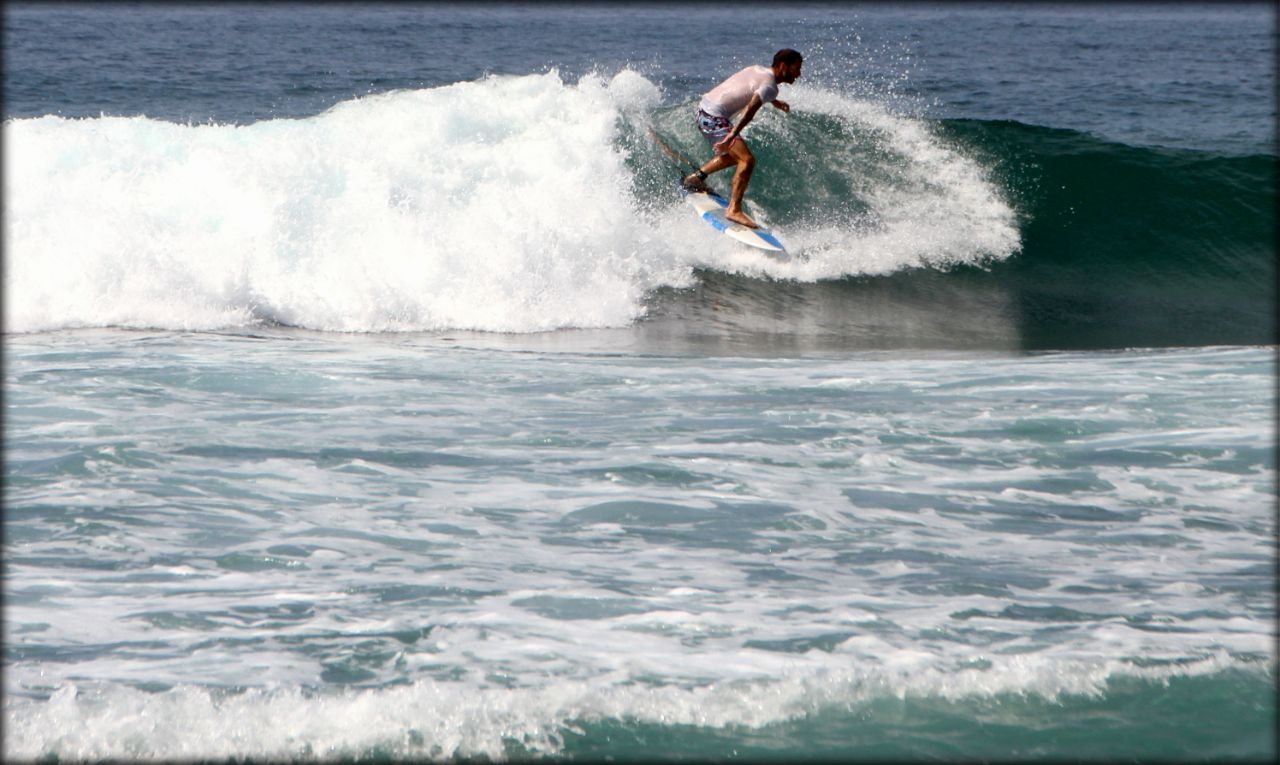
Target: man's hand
[753, 106]
[783, 105]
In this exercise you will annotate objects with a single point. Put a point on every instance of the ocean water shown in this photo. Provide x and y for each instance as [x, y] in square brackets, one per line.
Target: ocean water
[370, 393]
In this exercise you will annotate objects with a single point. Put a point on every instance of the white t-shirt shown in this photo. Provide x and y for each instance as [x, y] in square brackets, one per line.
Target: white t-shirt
[732, 96]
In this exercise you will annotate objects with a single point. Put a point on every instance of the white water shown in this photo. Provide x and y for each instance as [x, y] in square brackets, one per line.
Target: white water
[508, 543]
[489, 205]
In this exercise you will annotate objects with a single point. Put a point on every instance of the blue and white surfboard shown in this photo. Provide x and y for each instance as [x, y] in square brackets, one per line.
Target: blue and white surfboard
[711, 208]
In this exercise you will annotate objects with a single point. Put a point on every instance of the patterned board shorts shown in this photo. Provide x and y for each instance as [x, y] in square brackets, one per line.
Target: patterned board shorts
[714, 129]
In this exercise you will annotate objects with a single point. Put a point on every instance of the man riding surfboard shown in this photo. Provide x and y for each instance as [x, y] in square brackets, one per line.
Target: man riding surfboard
[742, 94]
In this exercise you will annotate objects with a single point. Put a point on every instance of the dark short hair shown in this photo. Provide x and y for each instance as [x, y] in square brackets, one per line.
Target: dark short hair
[787, 56]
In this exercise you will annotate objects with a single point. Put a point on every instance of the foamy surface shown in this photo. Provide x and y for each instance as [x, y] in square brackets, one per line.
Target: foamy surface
[283, 545]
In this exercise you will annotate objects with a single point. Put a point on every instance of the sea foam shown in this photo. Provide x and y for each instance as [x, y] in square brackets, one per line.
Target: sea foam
[486, 205]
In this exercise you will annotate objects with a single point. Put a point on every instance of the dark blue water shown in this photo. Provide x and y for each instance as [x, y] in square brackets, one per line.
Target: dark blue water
[1196, 76]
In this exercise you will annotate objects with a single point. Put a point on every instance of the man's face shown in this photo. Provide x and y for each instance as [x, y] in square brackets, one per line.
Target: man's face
[791, 72]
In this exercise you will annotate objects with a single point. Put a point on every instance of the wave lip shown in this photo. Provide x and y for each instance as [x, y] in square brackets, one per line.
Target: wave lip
[914, 199]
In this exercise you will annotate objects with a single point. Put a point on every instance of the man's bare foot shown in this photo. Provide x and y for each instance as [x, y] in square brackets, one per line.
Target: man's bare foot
[692, 182]
[738, 216]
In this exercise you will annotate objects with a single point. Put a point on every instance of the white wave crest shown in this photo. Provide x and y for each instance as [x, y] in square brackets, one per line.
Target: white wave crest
[488, 205]
[447, 719]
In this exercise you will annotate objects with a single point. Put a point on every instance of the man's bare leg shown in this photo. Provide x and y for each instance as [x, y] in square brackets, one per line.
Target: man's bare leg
[746, 162]
[713, 165]
[740, 156]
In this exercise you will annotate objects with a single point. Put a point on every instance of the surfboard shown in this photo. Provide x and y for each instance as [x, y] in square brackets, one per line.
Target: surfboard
[711, 208]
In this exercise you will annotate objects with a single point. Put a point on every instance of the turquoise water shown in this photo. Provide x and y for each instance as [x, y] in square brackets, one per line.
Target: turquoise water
[370, 394]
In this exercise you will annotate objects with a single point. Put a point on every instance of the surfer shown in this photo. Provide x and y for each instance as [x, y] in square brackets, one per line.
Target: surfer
[743, 93]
